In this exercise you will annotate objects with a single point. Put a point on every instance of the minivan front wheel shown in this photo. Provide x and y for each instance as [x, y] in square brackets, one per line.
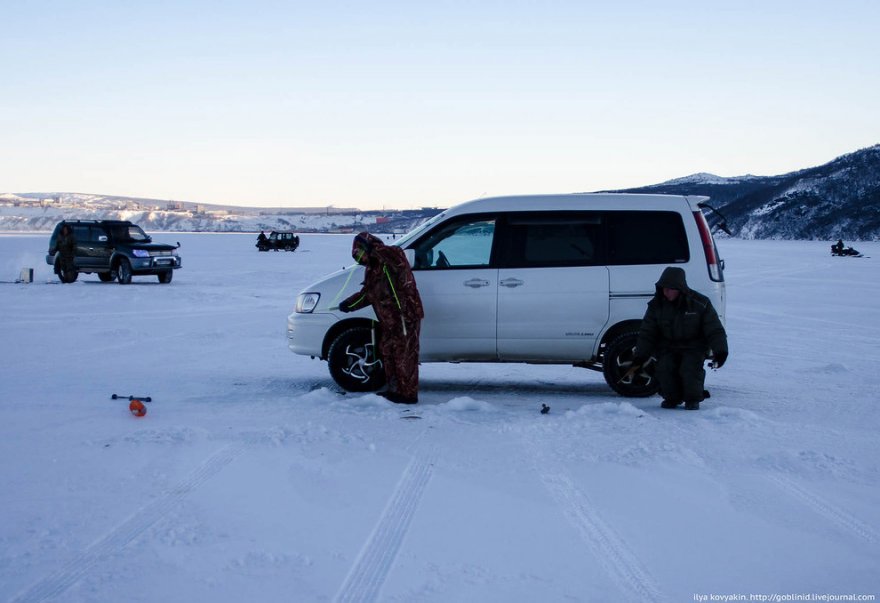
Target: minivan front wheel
[616, 368]
[354, 362]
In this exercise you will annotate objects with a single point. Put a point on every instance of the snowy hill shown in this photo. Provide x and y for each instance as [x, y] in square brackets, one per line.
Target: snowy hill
[30, 212]
[840, 199]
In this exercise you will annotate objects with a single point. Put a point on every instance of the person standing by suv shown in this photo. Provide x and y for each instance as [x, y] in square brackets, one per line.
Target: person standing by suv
[389, 286]
[679, 327]
[66, 246]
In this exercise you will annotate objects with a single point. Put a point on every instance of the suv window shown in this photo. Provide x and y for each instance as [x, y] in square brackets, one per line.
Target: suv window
[128, 232]
[80, 232]
[646, 237]
[464, 243]
[553, 239]
[95, 233]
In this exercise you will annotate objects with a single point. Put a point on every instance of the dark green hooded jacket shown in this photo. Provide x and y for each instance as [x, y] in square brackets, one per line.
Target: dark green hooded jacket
[688, 323]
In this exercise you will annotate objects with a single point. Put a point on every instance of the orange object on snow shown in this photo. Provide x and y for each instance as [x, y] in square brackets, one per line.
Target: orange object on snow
[137, 408]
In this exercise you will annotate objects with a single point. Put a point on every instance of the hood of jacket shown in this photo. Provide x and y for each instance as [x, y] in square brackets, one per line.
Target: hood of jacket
[363, 246]
[672, 278]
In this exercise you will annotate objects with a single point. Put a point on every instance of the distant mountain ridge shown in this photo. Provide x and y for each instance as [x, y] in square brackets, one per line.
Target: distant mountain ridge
[840, 199]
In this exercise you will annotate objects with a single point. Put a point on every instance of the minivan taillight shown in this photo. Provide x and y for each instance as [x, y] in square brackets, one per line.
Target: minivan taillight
[712, 262]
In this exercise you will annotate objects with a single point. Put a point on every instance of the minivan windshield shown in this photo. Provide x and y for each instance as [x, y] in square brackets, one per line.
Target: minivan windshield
[418, 230]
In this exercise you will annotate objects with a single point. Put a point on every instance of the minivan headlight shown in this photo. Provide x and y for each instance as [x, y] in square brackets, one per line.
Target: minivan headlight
[306, 302]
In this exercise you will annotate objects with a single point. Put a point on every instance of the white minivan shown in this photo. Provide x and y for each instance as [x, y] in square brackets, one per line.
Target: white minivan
[549, 279]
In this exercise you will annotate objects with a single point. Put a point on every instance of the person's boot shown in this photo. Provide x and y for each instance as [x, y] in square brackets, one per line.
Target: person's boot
[692, 406]
[669, 404]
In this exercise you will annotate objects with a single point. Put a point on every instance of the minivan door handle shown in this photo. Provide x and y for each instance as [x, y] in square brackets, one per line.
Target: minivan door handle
[476, 283]
[511, 282]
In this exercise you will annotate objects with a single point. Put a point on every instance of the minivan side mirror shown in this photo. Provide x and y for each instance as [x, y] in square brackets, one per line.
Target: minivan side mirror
[410, 256]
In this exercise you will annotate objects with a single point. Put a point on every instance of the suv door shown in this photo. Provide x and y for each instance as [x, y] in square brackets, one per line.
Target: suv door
[94, 248]
[553, 286]
[459, 287]
[81, 234]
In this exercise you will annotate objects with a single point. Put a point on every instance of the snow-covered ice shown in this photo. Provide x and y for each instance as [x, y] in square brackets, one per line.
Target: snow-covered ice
[252, 479]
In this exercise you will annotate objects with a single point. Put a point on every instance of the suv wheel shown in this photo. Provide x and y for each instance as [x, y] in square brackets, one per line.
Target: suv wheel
[354, 363]
[65, 275]
[618, 361]
[123, 272]
[165, 277]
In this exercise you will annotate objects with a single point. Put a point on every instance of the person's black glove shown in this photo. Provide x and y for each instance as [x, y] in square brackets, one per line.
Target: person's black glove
[344, 307]
[719, 359]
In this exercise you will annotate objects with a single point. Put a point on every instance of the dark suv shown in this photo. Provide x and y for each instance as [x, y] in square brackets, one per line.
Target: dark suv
[112, 249]
[285, 240]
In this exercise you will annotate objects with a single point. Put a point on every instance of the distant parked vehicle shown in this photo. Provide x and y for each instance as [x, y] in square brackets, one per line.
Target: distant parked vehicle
[838, 249]
[114, 250]
[283, 240]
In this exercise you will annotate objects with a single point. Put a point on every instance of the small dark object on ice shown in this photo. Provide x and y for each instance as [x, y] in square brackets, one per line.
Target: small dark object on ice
[839, 250]
[544, 409]
[130, 398]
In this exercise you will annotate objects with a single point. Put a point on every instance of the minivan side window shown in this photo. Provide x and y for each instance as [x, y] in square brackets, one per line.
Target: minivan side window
[459, 244]
[548, 239]
[646, 237]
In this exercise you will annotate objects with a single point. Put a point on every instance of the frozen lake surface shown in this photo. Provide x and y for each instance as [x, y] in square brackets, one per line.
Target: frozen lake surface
[252, 479]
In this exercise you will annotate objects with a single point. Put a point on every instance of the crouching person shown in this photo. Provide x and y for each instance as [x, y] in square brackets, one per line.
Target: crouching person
[389, 286]
[679, 328]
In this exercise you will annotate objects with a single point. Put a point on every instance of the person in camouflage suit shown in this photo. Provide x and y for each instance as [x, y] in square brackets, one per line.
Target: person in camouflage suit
[680, 327]
[389, 286]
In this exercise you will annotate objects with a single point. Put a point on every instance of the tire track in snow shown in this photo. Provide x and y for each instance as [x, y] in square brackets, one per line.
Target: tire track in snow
[618, 560]
[110, 545]
[366, 577]
[615, 556]
[828, 510]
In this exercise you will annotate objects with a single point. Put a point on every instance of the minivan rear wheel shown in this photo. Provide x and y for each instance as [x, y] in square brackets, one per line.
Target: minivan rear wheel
[354, 362]
[618, 362]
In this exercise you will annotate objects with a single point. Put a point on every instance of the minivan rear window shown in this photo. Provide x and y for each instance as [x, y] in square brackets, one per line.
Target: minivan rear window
[646, 237]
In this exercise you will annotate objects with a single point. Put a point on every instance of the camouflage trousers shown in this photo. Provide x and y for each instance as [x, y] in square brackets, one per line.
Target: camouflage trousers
[400, 357]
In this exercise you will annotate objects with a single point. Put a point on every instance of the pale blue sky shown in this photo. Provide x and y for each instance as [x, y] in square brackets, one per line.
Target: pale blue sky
[405, 104]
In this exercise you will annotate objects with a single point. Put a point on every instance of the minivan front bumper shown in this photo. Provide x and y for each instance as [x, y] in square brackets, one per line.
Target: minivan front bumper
[306, 332]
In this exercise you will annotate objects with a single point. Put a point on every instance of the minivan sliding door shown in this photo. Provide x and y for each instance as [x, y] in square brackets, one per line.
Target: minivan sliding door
[553, 286]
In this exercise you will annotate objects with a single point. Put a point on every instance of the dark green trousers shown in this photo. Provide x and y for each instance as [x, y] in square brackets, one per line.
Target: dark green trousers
[681, 375]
